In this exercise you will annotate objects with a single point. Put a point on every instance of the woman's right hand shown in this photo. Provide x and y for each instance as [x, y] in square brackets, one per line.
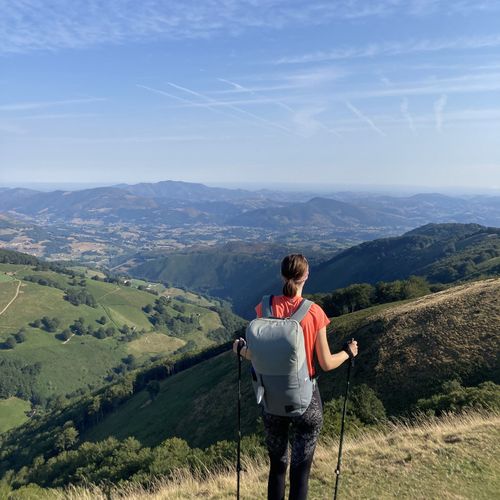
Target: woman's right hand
[353, 347]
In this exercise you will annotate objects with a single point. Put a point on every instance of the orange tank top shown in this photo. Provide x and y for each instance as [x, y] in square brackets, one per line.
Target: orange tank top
[315, 319]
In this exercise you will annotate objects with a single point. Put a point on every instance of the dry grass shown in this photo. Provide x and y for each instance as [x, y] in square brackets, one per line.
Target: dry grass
[458, 293]
[457, 457]
[450, 334]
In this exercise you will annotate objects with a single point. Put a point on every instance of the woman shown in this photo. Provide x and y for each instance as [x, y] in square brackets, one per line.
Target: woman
[302, 430]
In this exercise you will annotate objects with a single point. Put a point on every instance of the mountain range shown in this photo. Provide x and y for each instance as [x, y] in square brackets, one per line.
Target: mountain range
[176, 202]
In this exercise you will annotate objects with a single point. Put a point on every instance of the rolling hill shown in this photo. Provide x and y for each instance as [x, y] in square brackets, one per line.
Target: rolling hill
[442, 253]
[240, 277]
[317, 212]
[89, 344]
[407, 351]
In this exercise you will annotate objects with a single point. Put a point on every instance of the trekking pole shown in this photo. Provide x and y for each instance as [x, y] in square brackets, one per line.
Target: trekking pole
[341, 442]
[241, 344]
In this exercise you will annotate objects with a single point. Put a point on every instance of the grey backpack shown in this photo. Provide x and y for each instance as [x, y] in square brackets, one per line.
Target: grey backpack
[280, 376]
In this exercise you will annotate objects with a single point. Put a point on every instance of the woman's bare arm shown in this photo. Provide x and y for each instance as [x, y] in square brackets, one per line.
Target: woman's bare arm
[326, 359]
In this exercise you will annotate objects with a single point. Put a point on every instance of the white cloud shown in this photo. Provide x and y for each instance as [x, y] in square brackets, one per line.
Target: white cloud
[395, 48]
[58, 24]
[25, 106]
[405, 112]
[439, 106]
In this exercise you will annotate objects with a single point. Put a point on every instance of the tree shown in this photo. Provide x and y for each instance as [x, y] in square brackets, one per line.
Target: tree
[153, 387]
[366, 405]
[415, 286]
[50, 324]
[20, 336]
[100, 333]
[67, 437]
[110, 331]
[10, 343]
[102, 320]
[65, 334]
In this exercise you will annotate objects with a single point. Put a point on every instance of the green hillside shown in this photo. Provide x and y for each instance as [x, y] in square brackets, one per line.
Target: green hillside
[457, 457]
[407, 350]
[236, 276]
[115, 327]
[442, 253]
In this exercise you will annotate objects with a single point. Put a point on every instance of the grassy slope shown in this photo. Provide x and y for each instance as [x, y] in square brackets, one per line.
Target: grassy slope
[203, 395]
[456, 458]
[84, 360]
[12, 413]
[407, 349]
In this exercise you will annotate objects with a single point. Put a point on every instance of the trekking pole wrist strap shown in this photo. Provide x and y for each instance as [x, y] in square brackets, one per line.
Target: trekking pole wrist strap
[347, 349]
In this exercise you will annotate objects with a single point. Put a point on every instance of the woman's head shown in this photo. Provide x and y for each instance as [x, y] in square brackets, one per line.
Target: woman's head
[295, 271]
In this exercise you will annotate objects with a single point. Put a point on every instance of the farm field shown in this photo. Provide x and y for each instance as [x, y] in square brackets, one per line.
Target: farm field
[84, 361]
[12, 413]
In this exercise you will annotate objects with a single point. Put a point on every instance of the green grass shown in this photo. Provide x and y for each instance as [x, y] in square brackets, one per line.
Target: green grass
[84, 360]
[154, 343]
[193, 297]
[7, 293]
[190, 405]
[67, 367]
[5, 278]
[89, 272]
[12, 413]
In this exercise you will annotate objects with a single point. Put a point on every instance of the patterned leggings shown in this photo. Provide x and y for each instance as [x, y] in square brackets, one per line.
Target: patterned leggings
[303, 432]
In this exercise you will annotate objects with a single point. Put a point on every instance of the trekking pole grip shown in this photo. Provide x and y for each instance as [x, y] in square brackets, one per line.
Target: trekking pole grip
[347, 348]
[241, 344]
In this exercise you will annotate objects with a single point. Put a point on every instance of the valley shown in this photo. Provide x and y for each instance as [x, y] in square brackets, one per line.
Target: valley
[115, 328]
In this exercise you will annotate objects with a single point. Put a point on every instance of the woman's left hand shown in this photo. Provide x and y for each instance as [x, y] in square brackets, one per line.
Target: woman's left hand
[236, 344]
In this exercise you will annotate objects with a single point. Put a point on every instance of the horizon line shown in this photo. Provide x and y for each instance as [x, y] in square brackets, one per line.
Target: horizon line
[317, 187]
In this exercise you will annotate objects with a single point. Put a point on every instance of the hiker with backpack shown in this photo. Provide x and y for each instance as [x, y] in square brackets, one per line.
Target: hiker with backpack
[281, 344]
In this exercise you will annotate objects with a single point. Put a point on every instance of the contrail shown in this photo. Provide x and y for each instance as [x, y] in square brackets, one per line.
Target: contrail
[365, 118]
[182, 99]
[277, 102]
[234, 108]
[244, 89]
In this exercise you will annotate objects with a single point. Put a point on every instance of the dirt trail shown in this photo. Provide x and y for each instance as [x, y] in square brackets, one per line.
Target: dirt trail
[15, 297]
[109, 293]
[66, 341]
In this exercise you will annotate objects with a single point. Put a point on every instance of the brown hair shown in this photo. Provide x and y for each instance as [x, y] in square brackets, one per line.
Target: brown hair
[294, 268]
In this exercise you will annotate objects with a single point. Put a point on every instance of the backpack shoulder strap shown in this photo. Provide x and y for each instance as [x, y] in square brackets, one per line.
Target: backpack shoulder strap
[267, 306]
[302, 310]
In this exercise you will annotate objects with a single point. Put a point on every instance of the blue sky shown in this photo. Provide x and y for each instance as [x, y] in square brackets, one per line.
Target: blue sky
[386, 92]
